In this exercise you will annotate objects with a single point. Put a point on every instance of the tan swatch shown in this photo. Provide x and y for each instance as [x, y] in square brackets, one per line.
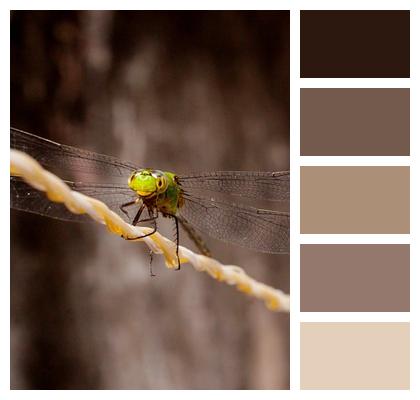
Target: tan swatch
[355, 200]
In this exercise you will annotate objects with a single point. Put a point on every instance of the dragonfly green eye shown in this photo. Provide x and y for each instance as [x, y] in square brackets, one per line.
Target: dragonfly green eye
[142, 182]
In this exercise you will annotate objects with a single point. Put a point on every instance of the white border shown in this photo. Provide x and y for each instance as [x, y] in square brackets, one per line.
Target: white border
[310, 238]
[354, 161]
[354, 83]
[296, 83]
[294, 199]
[212, 5]
[354, 316]
[5, 204]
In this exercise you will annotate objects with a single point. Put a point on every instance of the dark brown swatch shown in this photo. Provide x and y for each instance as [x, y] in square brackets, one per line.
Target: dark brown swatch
[355, 199]
[355, 44]
[355, 277]
[355, 122]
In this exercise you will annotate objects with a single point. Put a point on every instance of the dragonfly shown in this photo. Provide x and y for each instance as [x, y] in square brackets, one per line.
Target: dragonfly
[141, 195]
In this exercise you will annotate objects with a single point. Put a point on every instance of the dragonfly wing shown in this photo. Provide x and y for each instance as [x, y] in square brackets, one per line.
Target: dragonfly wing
[262, 230]
[25, 198]
[261, 185]
[67, 161]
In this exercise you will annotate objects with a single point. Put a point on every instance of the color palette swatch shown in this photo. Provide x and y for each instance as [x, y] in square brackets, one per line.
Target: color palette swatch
[355, 199]
[355, 122]
[354, 355]
[355, 44]
[353, 278]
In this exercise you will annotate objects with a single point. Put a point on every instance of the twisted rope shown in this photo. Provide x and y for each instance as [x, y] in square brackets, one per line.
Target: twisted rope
[56, 190]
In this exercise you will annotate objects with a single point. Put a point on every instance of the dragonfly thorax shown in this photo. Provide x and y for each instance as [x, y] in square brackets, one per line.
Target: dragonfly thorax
[148, 182]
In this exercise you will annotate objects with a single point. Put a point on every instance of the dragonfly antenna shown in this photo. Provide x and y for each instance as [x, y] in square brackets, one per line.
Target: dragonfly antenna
[26, 167]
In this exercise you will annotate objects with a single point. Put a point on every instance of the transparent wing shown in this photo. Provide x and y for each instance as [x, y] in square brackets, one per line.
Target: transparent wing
[262, 230]
[67, 160]
[261, 185]
[25, 198]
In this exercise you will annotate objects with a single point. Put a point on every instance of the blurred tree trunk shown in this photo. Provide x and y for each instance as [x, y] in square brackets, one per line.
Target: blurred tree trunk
[181, 91]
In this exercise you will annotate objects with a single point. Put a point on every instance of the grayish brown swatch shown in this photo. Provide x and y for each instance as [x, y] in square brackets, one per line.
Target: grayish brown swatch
[355, 199]
[355, 277]
[355, 122]
[355, 355]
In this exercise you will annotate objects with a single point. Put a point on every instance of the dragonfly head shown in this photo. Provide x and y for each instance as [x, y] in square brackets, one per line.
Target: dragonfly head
[148, 182]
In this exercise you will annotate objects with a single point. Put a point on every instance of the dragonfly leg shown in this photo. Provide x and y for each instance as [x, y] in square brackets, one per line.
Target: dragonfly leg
[177, 237]
[138, 215]
[177, 242]
[150, 264]
[152, 217]
[130, 203]
[137, 219]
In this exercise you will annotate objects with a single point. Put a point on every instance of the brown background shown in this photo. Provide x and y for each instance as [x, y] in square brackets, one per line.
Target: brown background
[355, 200]
[182, 91]
[355, 277]
[355, 122]
[355, 355]
[355, 44]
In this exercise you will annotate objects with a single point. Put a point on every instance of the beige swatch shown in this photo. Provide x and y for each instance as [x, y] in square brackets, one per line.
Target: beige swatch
[355, 199]
[355, 355]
